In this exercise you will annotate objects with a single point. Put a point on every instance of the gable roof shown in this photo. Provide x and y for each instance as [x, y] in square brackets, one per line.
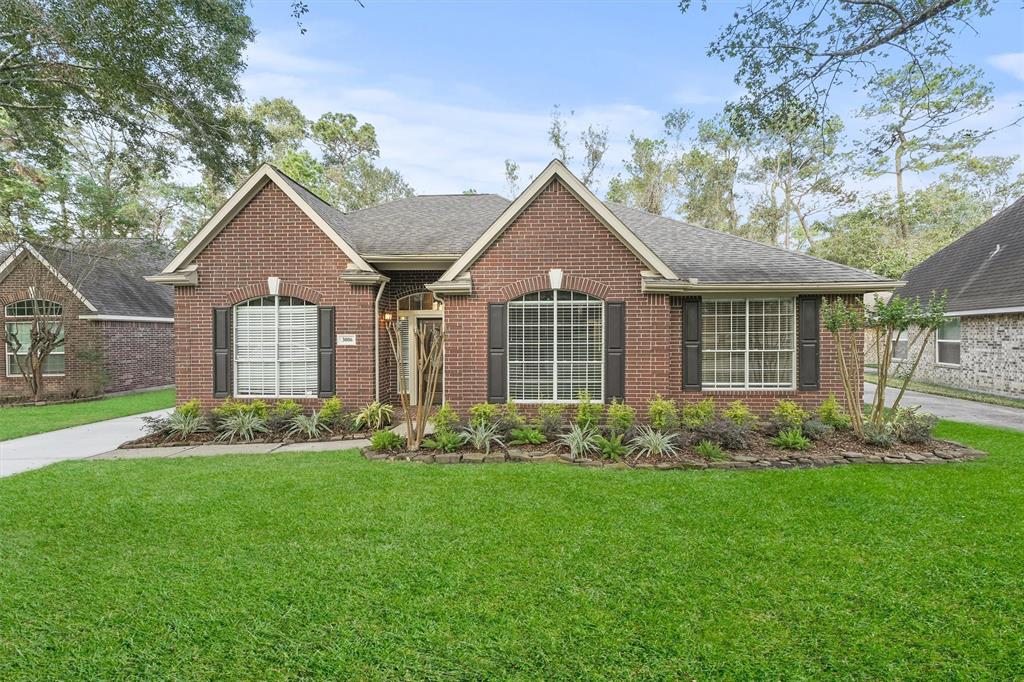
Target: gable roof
[109, 277]
[982, 270]
[556, 169]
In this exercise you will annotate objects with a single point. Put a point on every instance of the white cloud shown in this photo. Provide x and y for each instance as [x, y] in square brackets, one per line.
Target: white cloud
[1010, 62]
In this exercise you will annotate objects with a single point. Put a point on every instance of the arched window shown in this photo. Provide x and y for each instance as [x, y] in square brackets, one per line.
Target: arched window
[555, 346]
[19, 319]
[275, 347]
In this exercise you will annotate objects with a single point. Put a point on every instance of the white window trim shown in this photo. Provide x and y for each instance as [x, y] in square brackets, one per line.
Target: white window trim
[746, 352]
[277, 357]
[958, 342]
[554, 359]
[8, 351]
[895, 342]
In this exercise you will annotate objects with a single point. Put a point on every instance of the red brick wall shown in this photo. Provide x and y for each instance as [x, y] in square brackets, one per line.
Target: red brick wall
[272, 237]
[137, 354]
[83, 374]
[557, 231]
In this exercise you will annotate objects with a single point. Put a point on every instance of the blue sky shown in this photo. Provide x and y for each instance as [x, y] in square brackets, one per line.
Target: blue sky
[454, 88]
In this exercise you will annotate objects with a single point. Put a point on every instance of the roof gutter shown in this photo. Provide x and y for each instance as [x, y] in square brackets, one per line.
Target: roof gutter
[694, 287]
[463, 286]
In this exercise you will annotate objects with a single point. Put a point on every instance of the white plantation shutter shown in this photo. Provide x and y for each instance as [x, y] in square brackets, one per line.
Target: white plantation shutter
[275, 347]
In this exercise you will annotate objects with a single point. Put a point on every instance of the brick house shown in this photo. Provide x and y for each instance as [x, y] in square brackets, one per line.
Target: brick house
[540, 298]
[981, 346]
[118, 329]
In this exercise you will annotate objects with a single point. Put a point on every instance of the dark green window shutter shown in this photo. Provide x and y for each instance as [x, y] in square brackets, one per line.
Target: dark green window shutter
[809, 344]
[221, 352]
[691, 345]
[325, 351]
[615, 350]
[497, 353]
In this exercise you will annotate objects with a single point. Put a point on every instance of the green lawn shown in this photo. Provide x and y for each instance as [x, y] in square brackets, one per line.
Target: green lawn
[16, 422]
[327, 565]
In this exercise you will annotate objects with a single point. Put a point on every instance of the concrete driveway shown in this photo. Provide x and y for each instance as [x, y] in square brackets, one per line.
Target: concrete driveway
[954, 408]
[77, 442]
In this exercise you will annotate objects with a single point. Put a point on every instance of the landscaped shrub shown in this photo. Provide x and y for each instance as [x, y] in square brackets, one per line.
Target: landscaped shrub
[550, 419]
[580, 441]
[330, 412]
[588, 414]
[727, 433]
[528, 435]
[738, 413]
[309, 426]
[192, 407]
[791, 439]
[484, 413]
[788, 412]
[183, 424]
[445, 440]
[710, 450]
[830, 412]
[445, 419]
[244, 425]
[910, 426]
[374, 416]
[696, 415]
[654, 443]
[879, 434]
[815, 429]
[386, 441]
[511, 416]
[612, 447]
[484, 435]
[230, 407]
[662, 414]
[621, 417]
[281, 415]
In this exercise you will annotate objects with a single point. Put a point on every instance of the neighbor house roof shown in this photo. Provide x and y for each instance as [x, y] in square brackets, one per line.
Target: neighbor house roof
[981, 271]
[108, 275]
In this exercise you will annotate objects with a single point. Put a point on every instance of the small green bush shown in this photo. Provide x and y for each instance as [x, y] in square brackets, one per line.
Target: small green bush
[791, 439]
[588, 414]
[580, 441]
[612, 447]
[738, 413]
[621, 417]
[829, 412]
[696, 415]
[511, 416]
[909, 426]
[445, 440]
[815, 429]
[550, 419]
[281, 416]
[484, 413]
[445, 419]
[245, 425]
[654, 443]
[330, 412]
[881, 435]
[231, 407]
[183, 424]
[484, 435]
[662, 413]
[528, 436]
[727, 433]
[374, 416]
[192, 407]
[710, 450]
[386, 441]
[309, 426]
[788, 412]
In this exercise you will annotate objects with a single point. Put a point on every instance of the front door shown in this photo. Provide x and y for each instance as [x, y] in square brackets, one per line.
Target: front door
[428, 326]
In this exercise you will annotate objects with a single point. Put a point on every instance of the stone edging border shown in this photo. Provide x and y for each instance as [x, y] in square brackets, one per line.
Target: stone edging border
[943, 451]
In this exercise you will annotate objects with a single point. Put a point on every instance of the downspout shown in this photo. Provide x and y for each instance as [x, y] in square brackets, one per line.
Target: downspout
[376, 340]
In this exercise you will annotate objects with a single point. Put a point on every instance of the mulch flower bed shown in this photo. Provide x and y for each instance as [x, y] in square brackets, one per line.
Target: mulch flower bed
[832, 450]
[208, 438]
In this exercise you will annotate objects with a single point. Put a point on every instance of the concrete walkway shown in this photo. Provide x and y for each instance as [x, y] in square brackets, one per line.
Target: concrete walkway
[954, 408]
[77, 442]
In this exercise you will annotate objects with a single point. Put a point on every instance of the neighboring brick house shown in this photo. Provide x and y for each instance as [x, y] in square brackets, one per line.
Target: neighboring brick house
[981, 347]
[554, 293]
[118, 328]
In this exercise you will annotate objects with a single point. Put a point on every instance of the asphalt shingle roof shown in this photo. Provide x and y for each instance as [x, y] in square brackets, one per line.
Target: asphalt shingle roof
[983, 269]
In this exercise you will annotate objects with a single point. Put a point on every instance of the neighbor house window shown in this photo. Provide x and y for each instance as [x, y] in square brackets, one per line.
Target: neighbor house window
[20, 318]
[947, 342]
[899, 346]
[748, 343]
[275, 347]
[555, 346]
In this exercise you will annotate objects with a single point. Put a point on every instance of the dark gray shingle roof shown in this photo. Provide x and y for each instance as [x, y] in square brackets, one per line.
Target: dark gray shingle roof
[982, 269]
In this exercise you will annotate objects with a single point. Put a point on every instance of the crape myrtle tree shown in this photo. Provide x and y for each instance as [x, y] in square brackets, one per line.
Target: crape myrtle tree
[427, 372]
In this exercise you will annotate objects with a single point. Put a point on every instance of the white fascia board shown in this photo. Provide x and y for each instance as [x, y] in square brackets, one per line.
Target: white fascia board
[238, 200]
[127, 318]
[585, 196]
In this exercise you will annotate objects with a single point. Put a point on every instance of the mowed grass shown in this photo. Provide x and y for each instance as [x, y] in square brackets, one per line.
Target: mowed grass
[19, 421]
[327, 565]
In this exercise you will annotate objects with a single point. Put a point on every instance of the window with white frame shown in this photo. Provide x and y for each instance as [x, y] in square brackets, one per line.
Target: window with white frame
[947, 342]
[20, 318]
[748, 343]
[275, 340]
[555, 346]
[899, 346]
